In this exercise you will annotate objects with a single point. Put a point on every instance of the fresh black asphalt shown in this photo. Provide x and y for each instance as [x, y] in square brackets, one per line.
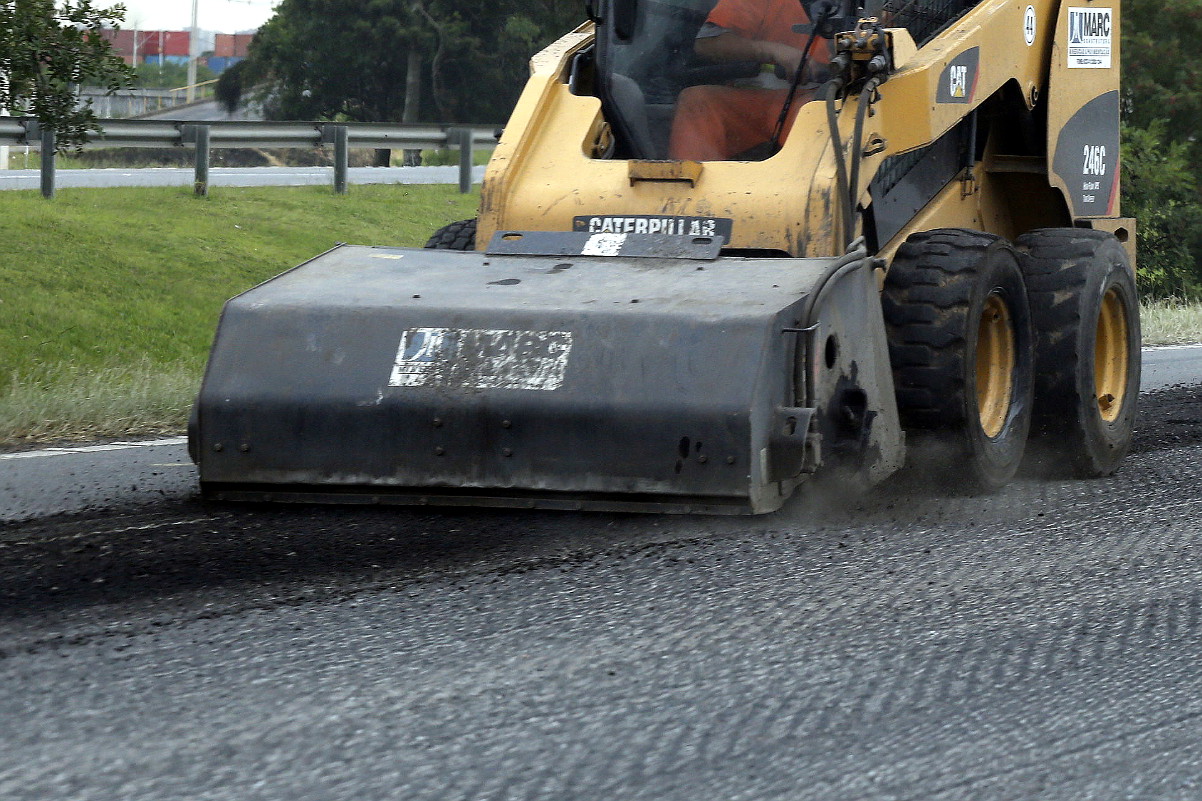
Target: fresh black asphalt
[1043, 642]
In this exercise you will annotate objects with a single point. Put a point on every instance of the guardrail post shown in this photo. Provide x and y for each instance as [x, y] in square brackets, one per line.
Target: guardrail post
[341, 137]
[465, 160]
[201, 184]
[48, 147]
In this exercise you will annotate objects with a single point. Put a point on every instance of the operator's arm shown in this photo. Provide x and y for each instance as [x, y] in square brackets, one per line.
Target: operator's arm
[730, 46]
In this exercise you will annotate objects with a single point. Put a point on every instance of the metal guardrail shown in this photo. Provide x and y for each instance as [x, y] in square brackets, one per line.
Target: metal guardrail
[203, 137]
[197, 91]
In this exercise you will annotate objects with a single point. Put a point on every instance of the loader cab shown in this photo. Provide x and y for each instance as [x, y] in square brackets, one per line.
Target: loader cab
[644, 59]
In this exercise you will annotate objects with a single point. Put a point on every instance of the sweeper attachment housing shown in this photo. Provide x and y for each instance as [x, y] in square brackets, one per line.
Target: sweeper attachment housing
[921, 263]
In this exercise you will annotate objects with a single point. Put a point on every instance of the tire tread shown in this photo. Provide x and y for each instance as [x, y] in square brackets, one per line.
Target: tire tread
[459, 235]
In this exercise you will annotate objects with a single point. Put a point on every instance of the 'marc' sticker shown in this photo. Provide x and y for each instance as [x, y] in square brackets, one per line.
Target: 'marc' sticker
[1090, 34]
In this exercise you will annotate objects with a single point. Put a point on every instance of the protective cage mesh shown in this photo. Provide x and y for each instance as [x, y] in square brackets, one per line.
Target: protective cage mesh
[923, 18]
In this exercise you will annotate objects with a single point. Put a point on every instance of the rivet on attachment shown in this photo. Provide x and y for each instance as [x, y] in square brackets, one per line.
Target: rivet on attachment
[506, 424]
[217, 446]
[730, 460]
[439, 451]
[438, 422]
[244, 447]
[507, 451]
[703, 458]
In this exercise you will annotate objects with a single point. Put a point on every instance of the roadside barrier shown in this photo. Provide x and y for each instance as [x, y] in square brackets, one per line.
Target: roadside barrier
[204, 137]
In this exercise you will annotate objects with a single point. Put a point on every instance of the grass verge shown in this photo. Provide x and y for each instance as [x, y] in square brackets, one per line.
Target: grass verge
[1171, 322]
[67, 404]
[109, 297]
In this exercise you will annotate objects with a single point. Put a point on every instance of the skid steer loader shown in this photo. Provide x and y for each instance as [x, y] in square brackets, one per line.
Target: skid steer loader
[922, 263]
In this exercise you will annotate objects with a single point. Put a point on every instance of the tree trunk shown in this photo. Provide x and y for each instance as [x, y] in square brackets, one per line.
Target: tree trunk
[413, 98]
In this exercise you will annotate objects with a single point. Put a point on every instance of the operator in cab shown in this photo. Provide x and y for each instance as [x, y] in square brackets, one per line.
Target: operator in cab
[715, 123]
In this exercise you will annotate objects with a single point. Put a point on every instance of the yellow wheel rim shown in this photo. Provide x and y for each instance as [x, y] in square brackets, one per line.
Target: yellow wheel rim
[995, 365]
[1111, 357]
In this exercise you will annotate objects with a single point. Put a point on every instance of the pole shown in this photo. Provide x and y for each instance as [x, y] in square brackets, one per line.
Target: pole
[193, 51]
[340, 159]
[48, 147]
[465, 160]
[201, 184]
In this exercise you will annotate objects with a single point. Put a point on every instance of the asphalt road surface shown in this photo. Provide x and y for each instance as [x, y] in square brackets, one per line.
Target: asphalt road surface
[1043, 642]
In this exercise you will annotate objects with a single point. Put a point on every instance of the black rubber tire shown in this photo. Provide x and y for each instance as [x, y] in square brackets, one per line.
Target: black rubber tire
[459, 235]
[937, 292]
[1069, 273]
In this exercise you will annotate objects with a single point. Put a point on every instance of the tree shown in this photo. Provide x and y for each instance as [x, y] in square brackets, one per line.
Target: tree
[1160, 191]
[394, 60]
[46, 49]
[1162, 113]
[1162, 66]
[230, 86]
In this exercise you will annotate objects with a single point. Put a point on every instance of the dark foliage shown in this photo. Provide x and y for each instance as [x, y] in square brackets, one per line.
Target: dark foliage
[46, 50]
[350, 59]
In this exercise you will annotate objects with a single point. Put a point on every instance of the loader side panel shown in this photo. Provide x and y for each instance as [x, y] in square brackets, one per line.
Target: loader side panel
[1083, 110]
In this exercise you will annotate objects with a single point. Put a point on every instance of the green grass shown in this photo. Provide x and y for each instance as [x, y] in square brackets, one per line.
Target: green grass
[1171, 322]
[64, 403]
[109, 297]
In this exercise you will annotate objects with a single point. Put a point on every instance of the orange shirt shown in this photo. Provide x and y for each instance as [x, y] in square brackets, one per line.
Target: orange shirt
[766, 20]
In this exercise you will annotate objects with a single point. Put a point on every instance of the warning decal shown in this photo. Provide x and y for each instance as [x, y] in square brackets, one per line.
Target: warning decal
[481, 359]
[1090, 37]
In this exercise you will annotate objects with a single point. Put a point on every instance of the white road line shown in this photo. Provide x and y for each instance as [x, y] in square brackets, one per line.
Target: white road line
[146, 527]
[1171, 347]
[112, 446]
[84, 534]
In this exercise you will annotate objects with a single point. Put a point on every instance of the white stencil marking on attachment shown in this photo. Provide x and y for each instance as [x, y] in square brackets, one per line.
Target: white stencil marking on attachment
[481, 359]
[604, 245]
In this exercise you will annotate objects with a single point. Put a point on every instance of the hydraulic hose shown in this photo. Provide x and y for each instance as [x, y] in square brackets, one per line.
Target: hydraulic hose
[783, 117]
[855, 258]
[857, 151]
[795, 83]
[832, 89]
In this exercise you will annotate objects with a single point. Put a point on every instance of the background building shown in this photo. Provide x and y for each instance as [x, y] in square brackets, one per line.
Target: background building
[220, 51]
